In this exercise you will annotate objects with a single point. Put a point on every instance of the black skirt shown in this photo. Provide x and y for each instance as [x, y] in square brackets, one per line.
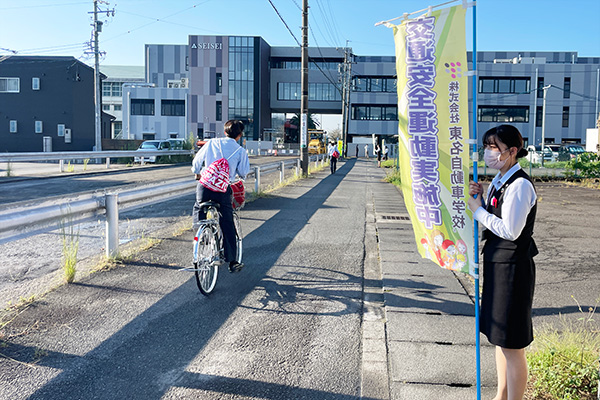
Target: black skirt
[506, 303]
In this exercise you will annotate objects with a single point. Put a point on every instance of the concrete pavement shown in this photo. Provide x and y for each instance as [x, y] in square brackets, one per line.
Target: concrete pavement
[428, 315]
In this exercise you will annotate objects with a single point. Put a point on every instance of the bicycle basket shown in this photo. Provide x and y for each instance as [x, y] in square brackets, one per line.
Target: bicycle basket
[238, 197]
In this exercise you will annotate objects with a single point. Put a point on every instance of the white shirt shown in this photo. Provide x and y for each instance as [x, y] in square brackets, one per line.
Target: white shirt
[224, 147]
[519, 198]
[331, 149]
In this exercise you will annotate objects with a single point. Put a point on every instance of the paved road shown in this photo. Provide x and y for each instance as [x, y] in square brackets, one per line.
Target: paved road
[30, 181]
[286, 327]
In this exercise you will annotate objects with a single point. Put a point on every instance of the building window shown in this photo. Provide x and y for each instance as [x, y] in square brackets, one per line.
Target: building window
[117, 128]
[60, 129]
[39, 128]
[114, 89]
[312, 64]
[117, 107]
[105, 107]
[374, 84]
[539, 114]
[565, 117]
[35, 83]
[142, 106]
[13, 126]
[219, 114]
[567, 88]
[540, 88]
[172, 108]
[219, 82]
[316, 91]
[503, 85]
[375, 113]
[503, 114]
[9, 85]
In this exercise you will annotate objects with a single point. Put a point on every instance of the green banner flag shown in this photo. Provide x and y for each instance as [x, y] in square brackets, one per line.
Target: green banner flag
[433, 135]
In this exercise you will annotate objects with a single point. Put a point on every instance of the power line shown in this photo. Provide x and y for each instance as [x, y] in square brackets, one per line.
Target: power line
[284, 23]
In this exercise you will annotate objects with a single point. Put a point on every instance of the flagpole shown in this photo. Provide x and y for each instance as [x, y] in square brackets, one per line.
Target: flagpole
[476, 225]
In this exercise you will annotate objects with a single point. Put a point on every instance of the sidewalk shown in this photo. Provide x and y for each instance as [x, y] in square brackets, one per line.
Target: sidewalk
[429, 317]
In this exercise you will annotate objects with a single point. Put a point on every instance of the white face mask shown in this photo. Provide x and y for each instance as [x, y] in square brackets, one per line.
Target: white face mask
[492, 158]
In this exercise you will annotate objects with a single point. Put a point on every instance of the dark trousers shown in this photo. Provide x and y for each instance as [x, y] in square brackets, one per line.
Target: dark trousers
[225, 221]
[333, 164]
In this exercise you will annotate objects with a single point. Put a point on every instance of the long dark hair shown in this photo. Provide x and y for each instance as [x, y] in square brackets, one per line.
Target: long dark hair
[507, 134]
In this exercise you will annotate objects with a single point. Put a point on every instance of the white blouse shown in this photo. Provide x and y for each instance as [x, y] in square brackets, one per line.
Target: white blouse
[519, 199]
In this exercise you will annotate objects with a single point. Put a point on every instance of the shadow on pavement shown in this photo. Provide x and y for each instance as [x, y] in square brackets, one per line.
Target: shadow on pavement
[151, 352]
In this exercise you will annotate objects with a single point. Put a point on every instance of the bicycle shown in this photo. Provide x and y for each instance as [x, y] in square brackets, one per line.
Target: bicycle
[208, 245]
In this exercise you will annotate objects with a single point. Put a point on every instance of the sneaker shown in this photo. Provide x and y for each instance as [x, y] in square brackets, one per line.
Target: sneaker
[235, 266]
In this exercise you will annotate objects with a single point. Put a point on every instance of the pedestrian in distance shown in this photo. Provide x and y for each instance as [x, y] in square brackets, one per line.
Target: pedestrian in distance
[508, 216]
[377, 152]
[213, 151]
[334, 154]
[367, 150]
[385, 152]
[356, 151]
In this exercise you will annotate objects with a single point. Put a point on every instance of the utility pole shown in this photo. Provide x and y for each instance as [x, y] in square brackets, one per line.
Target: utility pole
[348, 90]
[304, 98]
[346, 83]
[97, 98]
[545, 88]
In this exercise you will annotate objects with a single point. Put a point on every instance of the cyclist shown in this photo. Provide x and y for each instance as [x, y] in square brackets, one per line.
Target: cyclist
[237, 157]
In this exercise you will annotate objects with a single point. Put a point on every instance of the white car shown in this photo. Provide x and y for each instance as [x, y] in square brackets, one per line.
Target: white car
[535, 154]
[152, 145]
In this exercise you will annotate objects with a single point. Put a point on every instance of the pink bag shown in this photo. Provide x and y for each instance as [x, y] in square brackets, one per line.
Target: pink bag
[216, 176]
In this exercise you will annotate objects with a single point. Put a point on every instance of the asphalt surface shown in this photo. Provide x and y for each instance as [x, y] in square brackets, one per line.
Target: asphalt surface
[335, 303]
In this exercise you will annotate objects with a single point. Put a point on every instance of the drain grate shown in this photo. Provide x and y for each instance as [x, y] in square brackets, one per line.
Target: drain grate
[395, 217]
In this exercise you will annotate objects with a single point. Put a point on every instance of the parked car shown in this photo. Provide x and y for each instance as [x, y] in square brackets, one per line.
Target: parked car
[152, 145]
[555, 148]
[177, 144]
[570, 151]
[535, 154]
[200, 143]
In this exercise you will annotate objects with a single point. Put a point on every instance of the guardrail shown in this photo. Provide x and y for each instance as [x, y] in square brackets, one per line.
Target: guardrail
[19, 222]
[89, 155]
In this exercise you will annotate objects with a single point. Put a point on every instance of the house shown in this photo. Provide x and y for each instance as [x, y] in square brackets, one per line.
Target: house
[47, 104]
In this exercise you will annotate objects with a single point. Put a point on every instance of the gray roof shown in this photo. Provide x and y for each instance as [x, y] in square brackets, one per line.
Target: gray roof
[123, 72]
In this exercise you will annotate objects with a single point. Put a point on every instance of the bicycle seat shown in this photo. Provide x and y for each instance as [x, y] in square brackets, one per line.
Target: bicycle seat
[208, 204]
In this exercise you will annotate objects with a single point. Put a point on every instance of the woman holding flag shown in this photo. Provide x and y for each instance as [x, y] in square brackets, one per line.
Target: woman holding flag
[508, 215]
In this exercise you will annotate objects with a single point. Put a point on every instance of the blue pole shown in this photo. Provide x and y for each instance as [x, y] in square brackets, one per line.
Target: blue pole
[476, 225]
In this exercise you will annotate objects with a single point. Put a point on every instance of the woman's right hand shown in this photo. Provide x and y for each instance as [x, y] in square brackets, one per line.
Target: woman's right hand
[475, 188]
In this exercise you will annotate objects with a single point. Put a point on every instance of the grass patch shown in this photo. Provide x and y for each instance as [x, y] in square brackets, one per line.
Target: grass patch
[394, 177]
[70, 248]
[563, 363]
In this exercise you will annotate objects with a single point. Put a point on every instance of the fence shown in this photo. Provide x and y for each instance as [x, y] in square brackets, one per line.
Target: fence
[24, 221]
[89, 155]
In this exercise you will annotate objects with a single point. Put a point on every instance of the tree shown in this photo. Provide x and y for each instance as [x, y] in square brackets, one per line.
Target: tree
[335, 134]
[312, 122]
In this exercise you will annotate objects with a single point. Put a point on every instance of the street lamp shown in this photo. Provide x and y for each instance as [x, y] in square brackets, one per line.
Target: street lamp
[545, 89]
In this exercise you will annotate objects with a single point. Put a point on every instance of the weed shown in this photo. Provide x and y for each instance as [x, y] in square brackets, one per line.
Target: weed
[70, 167]
[394, 178]
[564, 363]
[8, 168]
[85, 163]
[39, 353]
[70, 247]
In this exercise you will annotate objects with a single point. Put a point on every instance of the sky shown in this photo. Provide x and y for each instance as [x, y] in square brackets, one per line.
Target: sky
[62, 27]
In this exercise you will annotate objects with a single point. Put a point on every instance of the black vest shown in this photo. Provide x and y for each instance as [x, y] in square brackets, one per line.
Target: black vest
[497, 249]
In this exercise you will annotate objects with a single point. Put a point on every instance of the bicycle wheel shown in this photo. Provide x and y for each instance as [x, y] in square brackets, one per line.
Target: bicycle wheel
[238, 236]
[205, 259]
